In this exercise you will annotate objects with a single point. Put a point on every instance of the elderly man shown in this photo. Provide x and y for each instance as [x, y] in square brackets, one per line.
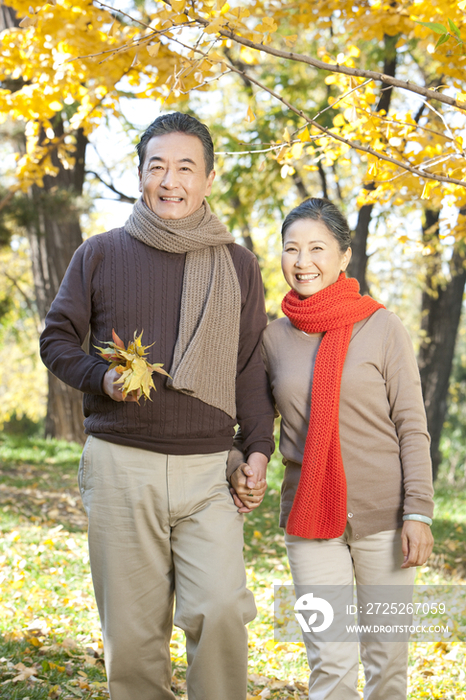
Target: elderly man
[162, 522]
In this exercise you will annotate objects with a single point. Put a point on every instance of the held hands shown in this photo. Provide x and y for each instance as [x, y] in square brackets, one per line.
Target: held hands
[115, 390]
[249, 484]
[416, 543]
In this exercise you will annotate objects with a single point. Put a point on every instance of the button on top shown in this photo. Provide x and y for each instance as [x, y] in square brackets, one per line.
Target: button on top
[350, 515]
[356, 537]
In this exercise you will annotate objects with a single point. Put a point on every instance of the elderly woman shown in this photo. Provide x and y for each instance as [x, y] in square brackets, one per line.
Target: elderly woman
[357, 491]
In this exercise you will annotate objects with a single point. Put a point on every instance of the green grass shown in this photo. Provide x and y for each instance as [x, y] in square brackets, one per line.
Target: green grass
[48, 617]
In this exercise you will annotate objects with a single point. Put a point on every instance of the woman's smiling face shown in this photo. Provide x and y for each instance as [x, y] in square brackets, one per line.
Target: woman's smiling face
[312, 258]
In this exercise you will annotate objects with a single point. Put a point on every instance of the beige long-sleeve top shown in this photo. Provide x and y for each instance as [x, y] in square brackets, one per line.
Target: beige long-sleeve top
[383, 432]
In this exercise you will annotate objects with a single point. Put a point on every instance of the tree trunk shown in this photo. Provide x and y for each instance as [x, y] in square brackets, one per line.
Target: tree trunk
[358, 265]
[243, 223]
[64, 418]
[54, 233]
[52, 222]
[441, 313]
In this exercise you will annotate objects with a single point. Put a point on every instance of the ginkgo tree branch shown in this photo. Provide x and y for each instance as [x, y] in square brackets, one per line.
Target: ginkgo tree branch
[406, 167]
[333, 67]
[348, 142]
[300, 58]
[369, 75]
[338, 68]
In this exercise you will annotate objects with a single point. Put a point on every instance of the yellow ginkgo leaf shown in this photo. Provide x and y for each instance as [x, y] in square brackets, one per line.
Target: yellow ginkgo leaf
[297, 150]
[250, 116]
[305, 136]
[428, 187]
[28, 22]
[291, 40]
[178, 5]
[339, 120]
[153, 49]
[114, 28]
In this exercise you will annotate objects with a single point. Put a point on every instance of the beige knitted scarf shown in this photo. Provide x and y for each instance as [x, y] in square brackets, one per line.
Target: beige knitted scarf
[206, 350]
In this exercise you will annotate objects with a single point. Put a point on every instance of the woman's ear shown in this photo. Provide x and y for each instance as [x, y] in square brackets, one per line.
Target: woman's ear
[345, 260]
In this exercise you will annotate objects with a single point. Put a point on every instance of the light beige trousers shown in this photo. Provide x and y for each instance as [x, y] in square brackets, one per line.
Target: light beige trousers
[373, 560]
[165, 527]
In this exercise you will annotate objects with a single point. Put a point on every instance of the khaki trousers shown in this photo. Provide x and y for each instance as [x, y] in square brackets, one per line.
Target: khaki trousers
[165, 527]
[373, 560]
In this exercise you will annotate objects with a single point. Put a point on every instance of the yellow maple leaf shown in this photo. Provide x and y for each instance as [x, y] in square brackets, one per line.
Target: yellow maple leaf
[131, 364]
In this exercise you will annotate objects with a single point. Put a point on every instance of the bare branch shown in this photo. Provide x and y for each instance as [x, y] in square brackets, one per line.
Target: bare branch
[123, 197]
[269, 149]
[15, 283]
[442, 119]
[388, 120]
[342, 97]
[113, 10]
[8, 197]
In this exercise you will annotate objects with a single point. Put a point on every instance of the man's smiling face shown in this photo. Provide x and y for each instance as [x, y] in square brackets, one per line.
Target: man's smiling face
[173, 180]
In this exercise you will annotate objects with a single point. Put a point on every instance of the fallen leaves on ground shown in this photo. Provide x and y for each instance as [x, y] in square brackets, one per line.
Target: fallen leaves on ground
[51, 645]
[44, 506]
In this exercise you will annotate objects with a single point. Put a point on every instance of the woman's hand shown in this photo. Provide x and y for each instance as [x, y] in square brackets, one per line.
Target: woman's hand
[416, 543]
[246, 498]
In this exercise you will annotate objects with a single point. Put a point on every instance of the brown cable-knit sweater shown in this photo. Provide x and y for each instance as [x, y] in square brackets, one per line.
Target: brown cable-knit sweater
[116, 281]
[383, 433]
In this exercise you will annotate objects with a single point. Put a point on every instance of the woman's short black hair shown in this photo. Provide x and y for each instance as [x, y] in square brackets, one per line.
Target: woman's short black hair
[321, 209]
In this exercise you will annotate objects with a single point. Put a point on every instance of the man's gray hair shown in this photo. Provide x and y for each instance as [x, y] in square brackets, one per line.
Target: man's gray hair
[177, 122]
[321, 209]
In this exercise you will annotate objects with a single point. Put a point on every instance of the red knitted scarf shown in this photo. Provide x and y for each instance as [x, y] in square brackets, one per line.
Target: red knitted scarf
[319, 507]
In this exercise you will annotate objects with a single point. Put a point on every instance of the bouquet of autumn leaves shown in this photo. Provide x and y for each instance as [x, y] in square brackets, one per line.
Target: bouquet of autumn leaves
[131, 364]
